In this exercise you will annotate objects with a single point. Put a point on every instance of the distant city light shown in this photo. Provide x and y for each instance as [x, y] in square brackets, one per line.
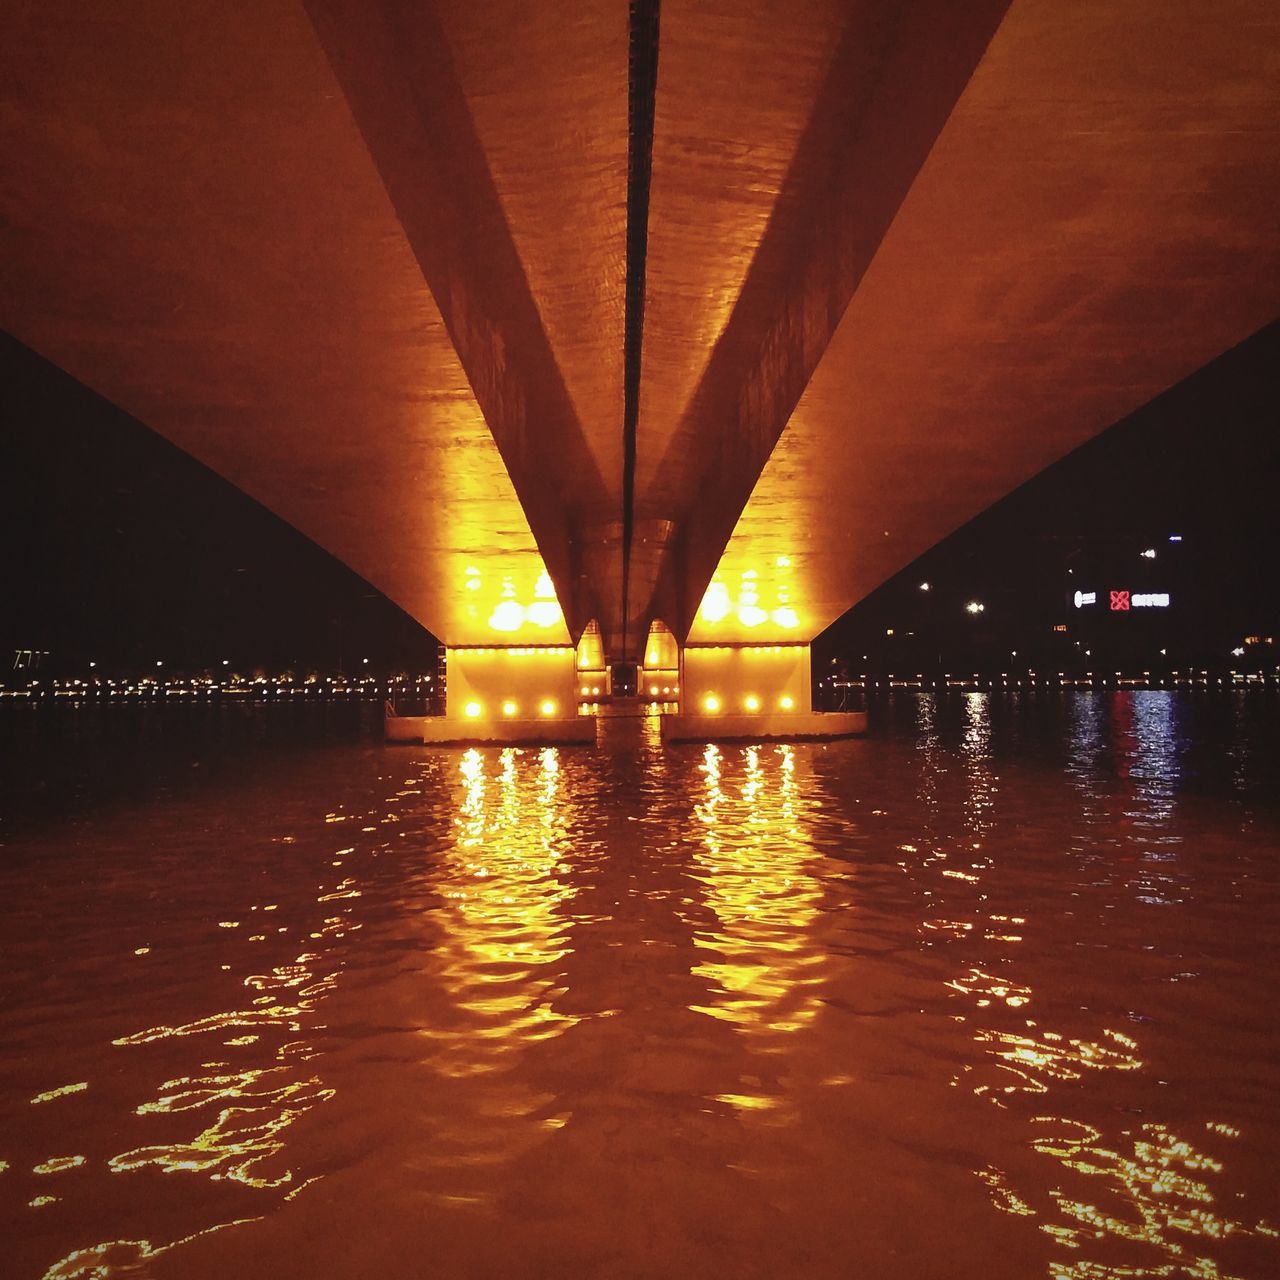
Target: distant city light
[924, 586]
[975, 606]
[365, 661]
[1083, 598]
[1175, 537]
[1150, 600]
[1237, 653]
[1149, 553]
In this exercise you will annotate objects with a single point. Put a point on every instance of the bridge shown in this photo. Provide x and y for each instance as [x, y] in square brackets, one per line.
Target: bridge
[602, 336]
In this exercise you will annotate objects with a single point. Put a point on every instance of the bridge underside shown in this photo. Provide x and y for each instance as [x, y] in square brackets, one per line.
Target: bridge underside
[536, 315]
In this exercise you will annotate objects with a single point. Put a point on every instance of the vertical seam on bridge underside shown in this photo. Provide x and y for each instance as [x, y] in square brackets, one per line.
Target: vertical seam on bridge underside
[641, 95]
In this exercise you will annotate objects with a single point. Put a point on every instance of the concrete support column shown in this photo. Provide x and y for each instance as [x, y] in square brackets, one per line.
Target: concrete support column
[504, 694]
[751, 691]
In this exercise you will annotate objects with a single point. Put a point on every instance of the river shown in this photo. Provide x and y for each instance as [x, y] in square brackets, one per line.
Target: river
[989, 993]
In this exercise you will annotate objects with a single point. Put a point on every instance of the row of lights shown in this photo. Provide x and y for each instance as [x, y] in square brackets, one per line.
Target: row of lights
[522, 651]
[712, 704]
[744, 648]
[474, 710]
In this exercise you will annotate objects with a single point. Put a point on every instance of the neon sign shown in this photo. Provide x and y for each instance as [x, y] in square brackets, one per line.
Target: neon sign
[1083, 598]
[1123, 601]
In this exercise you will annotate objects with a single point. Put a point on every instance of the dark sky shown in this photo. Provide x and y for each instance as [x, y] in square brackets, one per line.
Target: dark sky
[121, 548]
[1201, 461]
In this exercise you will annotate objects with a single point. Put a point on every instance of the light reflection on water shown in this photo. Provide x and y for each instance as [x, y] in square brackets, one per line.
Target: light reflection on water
[762, 1008]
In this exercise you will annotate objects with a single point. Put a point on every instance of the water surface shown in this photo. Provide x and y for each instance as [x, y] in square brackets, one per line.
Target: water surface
[990, 993]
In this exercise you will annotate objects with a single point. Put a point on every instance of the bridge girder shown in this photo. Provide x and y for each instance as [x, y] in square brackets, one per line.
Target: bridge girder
[370, 262]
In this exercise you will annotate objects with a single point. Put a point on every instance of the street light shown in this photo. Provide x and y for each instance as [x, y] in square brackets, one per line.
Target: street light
[974, 606]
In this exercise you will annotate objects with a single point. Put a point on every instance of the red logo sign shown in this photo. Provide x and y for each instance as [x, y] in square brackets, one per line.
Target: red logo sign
[1119, 601]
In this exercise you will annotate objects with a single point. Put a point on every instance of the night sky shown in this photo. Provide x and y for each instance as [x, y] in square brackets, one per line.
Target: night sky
[122, 549]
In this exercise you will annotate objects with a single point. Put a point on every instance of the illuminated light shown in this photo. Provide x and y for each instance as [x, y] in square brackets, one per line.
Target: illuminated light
[509, 708]
[1083, 598]
[653, 689]
[507, 616]
[783, 562]
[975, 606]
[1237, 653]
[472, 709]
[924, 586]
[786, 617]
[543, 613]
[595, 690]
[787, 702]
[716, 603]
[751, 702]
[584, 689]
[548, 708]
[751, 615]
[1175, 537]
[711, 702]
[1150, 600]
[1149, 553]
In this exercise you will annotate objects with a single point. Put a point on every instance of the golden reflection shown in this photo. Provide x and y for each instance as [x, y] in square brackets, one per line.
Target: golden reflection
[1028, 1062]
[60, 1092]
[505, 897]
[502, 942]
[255, 1107]
[755, 863]
[241, 1114]
[1151, 1194]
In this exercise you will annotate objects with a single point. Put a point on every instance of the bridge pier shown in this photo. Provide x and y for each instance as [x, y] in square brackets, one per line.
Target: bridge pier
[503, 694]
[755, 691]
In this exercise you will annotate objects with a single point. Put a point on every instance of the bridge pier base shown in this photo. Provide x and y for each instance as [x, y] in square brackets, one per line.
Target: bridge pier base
[752, 691]
[503, 694]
